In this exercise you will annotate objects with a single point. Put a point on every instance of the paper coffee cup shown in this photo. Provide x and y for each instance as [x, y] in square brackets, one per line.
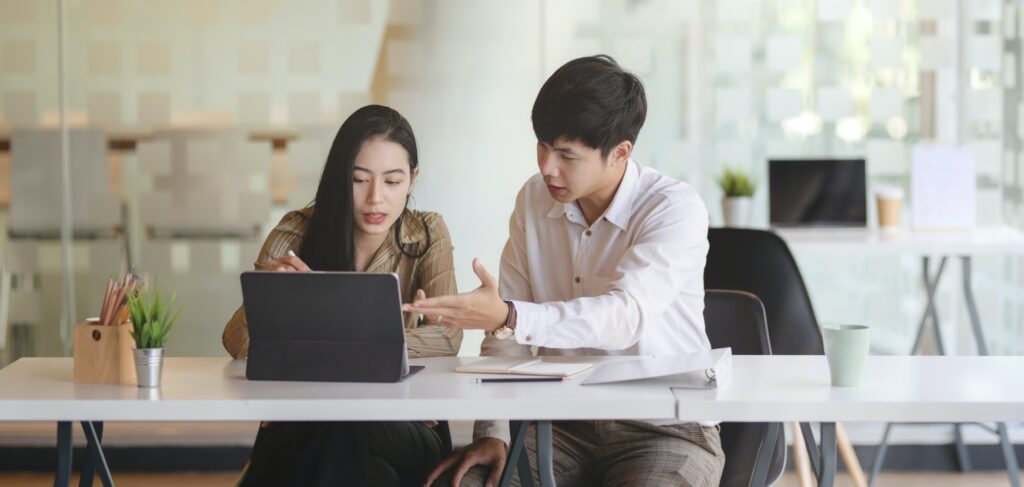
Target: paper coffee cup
[890, 204]
[846, 347]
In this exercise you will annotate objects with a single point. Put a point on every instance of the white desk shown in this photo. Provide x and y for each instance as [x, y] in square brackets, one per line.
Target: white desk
[988, 240]
[780, 388]
[905, 389]
[762, 389]
[985, 240]
[215, 389]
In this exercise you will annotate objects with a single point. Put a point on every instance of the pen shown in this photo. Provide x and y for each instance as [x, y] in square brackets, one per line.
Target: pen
[520, 379]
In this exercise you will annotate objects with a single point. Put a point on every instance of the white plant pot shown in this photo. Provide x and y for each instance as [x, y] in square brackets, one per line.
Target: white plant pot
[736, 211]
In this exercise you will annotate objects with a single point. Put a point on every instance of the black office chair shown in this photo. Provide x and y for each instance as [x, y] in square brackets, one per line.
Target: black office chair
[755, 453]
[759, 262]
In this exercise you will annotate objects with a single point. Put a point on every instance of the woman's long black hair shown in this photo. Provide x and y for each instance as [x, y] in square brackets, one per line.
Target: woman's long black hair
[329, 240]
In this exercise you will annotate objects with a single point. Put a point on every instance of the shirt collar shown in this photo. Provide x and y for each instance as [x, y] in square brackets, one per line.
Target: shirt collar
[619, 211]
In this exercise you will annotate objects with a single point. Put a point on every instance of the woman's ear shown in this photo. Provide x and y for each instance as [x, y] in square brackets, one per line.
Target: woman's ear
[412, 178]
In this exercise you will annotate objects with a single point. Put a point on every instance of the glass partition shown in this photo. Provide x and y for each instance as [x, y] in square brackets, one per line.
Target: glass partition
[194, 126]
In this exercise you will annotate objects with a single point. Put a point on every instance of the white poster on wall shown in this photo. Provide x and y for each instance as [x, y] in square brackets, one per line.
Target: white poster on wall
[942, 187]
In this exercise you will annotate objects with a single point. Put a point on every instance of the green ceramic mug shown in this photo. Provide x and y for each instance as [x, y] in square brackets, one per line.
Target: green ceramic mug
[846, 346]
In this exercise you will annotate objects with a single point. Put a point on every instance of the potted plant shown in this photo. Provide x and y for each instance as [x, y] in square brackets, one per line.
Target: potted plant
[737, 189]
[152, 322]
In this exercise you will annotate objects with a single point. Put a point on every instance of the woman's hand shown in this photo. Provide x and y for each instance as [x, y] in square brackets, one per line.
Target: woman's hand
[287, 263]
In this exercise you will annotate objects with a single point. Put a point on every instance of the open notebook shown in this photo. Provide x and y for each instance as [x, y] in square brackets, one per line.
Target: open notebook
[523, 366]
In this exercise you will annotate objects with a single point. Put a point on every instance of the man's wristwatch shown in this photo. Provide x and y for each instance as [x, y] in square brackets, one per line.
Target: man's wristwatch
[509, 328]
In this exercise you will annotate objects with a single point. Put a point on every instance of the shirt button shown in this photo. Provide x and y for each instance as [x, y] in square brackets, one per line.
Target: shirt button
[529, 337]
[588, 232]
[577, 279]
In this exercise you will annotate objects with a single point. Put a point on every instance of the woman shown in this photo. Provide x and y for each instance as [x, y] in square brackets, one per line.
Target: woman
[359, 222]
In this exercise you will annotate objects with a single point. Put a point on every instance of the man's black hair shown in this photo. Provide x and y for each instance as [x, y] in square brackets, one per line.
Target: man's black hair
[591, 100]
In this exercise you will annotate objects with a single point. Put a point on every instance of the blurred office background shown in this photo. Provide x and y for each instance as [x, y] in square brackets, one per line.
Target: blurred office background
[193, 126]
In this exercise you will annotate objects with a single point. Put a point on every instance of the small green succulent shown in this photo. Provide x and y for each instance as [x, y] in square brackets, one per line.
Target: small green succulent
[735, 183]
[151, 317]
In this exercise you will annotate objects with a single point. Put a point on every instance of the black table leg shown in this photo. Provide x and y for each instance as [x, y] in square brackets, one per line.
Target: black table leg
[95, 458]
[827, 474]
[63, 475]
[545, 464]
[517, 456]
[764, 455]
[823, 459]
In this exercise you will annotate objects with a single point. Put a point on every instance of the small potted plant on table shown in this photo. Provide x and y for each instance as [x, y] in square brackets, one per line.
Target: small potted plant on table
[152, 322]
[737, 189]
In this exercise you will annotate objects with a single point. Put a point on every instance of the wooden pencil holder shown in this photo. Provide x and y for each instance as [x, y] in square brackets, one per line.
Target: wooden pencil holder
[103, 354]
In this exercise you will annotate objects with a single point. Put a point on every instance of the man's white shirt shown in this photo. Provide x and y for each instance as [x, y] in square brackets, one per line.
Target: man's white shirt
[632, 283]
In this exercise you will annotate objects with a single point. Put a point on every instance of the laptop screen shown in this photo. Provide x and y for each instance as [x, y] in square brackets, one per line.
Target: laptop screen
[817, 192]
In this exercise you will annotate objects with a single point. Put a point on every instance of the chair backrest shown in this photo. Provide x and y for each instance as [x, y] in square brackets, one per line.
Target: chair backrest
[759, 262]
[736, 319]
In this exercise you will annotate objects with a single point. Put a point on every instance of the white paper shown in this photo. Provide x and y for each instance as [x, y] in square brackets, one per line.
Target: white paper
[885, 104]
[784, 103]
[834, 103]
[707, 363]
[783, 53]
[943, 189]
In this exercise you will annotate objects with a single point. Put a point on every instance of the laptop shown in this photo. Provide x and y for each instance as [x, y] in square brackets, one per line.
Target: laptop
[817, 192]
[325, 327]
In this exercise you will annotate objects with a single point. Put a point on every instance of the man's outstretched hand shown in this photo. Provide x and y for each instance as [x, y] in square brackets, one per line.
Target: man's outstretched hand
[480, 309]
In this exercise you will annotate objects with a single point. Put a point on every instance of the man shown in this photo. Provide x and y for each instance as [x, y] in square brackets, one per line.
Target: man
[604, 257]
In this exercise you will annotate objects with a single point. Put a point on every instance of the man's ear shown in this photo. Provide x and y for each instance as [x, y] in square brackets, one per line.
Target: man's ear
[621, 153]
